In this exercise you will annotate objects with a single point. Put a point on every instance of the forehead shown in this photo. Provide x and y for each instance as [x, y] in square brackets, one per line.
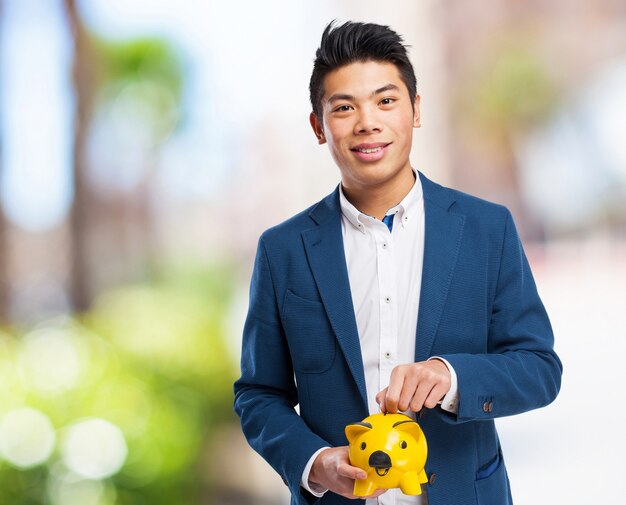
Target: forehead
[360, 79]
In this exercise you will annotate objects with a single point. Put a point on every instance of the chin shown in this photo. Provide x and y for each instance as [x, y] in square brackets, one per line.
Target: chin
[377, 175]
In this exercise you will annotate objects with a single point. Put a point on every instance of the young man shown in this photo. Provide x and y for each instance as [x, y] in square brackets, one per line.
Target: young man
[393, 293]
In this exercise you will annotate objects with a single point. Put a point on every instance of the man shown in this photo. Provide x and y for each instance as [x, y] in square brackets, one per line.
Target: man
[391, 294]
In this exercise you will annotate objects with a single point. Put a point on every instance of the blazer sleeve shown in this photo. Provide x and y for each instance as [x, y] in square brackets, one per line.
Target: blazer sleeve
[266, 394]
[520, 370]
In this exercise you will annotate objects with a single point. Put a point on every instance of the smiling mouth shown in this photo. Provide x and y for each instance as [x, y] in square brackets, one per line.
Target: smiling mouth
[383, 470]
[370, 150]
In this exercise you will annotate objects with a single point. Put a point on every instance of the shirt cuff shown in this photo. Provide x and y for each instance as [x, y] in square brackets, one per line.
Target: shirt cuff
[450, 402]
[315, 490]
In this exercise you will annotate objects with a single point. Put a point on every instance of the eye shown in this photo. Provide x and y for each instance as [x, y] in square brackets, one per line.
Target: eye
[342, 108]
[403, 444]
[363, 446]
[387, 101]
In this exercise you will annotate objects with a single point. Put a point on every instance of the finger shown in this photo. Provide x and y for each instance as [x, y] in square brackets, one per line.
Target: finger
[346, 489]
[435, 396]
[377, 493]
[422, 392]
[351, 472]
[393, 391]
[408, 390]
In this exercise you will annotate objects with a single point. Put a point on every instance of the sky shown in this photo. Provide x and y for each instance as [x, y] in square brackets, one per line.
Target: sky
[36, 108]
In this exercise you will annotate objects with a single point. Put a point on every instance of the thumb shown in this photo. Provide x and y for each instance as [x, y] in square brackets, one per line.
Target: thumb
[352, 472]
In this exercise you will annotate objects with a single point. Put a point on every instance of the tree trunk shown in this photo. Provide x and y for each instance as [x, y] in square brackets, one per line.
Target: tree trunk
[84, 86]
[4, 278]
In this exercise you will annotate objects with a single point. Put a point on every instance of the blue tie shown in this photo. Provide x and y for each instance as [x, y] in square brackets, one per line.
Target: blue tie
[388, 220]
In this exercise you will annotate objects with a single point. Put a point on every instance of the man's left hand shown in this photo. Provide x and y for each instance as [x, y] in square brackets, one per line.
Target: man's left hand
[414, 386]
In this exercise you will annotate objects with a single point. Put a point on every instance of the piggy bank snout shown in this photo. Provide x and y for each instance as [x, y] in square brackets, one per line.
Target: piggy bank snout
[379, 459]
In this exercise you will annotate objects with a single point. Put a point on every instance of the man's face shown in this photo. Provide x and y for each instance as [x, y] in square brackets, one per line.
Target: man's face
[367, 122]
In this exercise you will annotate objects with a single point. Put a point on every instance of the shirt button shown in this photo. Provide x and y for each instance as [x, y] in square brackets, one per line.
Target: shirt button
[388, 299]
[387, 355]
[384, 245]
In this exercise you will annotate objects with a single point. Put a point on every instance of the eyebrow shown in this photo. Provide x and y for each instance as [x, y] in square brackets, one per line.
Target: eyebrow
[341, 96]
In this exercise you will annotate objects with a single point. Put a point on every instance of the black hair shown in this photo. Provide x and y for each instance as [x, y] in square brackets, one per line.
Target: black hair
[354, 42]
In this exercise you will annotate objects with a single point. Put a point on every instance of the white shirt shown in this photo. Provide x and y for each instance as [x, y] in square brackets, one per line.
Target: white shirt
[385, 274]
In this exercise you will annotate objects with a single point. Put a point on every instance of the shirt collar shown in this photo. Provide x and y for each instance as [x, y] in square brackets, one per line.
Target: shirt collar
[406, 210]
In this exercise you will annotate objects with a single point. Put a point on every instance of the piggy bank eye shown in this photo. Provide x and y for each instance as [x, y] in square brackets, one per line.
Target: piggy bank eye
[363, 446]
[403, 444]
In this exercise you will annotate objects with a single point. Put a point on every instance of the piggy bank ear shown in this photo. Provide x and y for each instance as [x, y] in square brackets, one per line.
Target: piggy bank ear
[354, 430]
[409, 426]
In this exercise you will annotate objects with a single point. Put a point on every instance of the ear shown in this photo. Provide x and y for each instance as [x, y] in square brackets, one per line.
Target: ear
[356, 429]
[318, 129]
[411, 427]
[416, 112]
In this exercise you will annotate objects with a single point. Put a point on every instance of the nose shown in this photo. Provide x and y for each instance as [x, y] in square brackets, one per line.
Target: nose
[380, 459]
[367, 122]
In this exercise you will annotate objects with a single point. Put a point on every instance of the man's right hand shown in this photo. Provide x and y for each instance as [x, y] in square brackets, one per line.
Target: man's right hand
[332, 470]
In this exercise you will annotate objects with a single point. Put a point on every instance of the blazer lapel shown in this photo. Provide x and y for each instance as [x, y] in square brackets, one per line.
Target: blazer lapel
[325, 252]
[442, 241]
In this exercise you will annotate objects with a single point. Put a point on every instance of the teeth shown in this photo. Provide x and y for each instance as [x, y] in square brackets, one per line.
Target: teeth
[368, 151]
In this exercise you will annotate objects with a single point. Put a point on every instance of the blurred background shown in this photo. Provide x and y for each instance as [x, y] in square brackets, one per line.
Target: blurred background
[146, 144]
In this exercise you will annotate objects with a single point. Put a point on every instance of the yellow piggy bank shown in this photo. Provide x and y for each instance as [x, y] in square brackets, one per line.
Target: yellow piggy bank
[392, 449]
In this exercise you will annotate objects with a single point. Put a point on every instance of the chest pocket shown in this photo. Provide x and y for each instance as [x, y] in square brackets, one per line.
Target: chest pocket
[311, 339]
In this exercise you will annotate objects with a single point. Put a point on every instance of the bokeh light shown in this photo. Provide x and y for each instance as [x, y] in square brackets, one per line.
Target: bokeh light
[27, 437]
[94, 448]
[77, 492]
[67, 488]
[50, 360]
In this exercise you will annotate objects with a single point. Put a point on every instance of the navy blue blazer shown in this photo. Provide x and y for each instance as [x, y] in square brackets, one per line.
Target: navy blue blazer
[479, 309]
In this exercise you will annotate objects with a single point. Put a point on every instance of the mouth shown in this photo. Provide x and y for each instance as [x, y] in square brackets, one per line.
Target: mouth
[370, 152]
[381, 472]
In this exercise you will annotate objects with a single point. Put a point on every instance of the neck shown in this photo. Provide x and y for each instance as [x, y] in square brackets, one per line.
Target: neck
[376, 201]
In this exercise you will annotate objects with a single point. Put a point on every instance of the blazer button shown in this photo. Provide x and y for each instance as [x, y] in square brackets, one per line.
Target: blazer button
[486, 407]
[421, 414]
[432, 479]
[490, 406]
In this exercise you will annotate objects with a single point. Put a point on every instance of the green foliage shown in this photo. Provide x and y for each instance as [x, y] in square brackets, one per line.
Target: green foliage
[517, 89]
[150, 359]
[139, 59]
[144, 77]
[512, 90]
